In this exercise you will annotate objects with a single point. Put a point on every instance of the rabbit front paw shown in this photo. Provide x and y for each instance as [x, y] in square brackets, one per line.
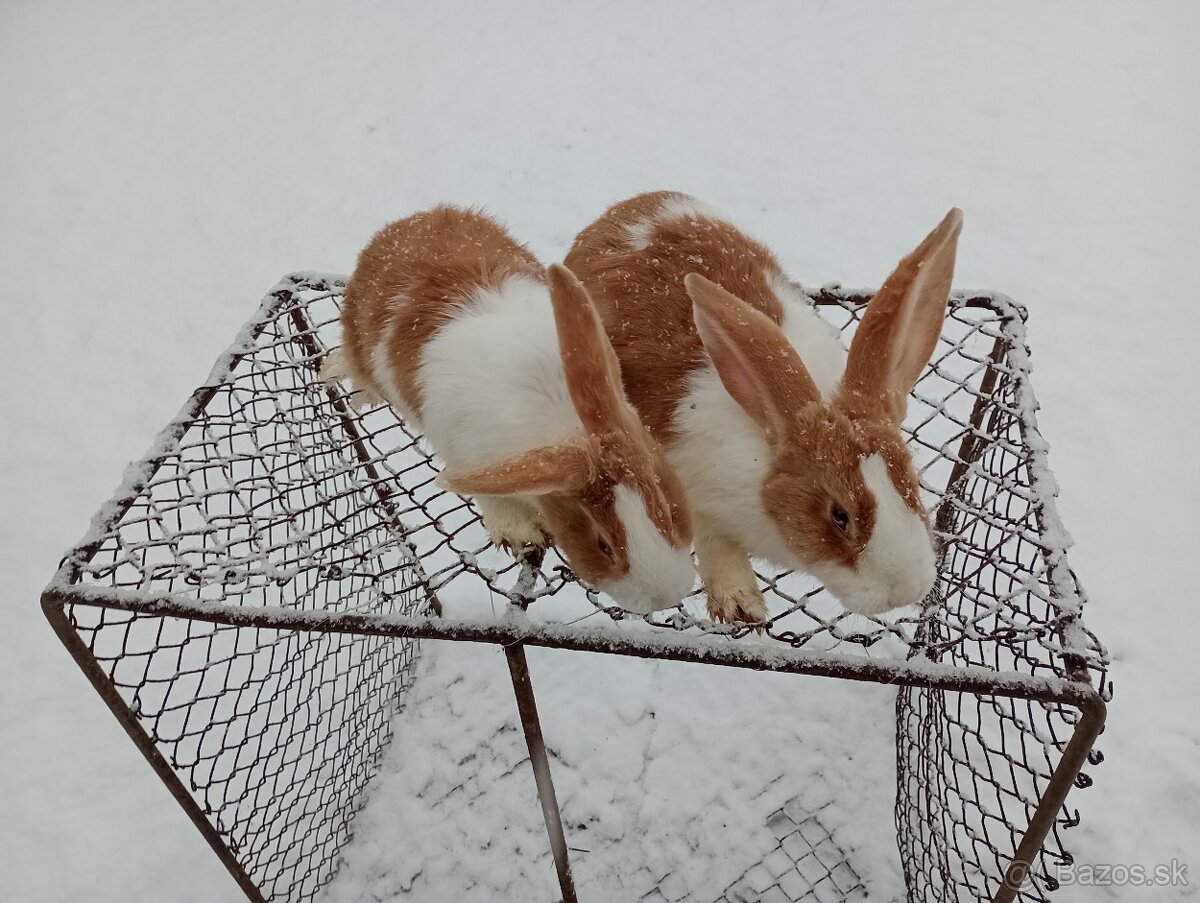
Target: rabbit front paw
[736, 603]
[513, 525]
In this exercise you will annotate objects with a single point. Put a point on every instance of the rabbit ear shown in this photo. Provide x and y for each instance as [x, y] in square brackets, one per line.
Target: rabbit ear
[757, 364]
[553, 468]
[900, 329]
[589, 362]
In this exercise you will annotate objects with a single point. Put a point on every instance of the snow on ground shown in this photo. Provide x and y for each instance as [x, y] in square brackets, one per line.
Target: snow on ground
[161, 166]
[661, 769]
[667, 773]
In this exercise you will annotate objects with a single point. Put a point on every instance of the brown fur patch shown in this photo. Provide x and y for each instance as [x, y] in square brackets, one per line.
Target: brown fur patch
[626, 452]
[566, 467]
[901, 326]
[637, 461]
[816, 467]
[640, 296]
[883, 440]
[433, 260]
[590, 366]
[641, 465]
[756, 363]
[587, 517]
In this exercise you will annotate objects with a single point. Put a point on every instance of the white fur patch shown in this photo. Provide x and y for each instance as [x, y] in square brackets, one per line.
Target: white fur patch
[511, 520]
[335, 367]
[493, 387]
[677, 206]
[813, 337]
[379, 362]
[659, 574]
[492, 381]
[722, 458]
[897, 566]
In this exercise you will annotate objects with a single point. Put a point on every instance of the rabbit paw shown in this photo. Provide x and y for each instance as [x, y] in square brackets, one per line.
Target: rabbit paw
[730, 604]
[513, 525]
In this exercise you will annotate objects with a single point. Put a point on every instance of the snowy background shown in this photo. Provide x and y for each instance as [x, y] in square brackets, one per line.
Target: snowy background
[161, 166]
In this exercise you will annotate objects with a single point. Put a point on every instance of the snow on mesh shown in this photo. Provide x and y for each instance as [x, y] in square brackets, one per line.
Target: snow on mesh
[271, 490]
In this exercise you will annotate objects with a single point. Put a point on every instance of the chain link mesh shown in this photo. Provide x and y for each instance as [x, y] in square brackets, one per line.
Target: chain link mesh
[270, 489]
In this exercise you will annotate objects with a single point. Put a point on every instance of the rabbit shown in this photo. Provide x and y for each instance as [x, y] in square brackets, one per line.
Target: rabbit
[787, 443]
[505, 368]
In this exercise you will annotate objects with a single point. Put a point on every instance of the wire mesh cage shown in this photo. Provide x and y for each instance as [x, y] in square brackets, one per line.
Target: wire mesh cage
[250, 606]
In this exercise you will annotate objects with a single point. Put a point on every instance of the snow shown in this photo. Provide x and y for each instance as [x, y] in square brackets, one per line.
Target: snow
[470, 617]
[162, 167]
[647, 779]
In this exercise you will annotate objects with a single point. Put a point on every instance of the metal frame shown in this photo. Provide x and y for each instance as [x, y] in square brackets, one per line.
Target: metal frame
[515, 631]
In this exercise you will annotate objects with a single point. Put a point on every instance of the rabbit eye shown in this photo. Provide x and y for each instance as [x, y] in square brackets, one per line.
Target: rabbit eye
[840, 517]
[605, 548]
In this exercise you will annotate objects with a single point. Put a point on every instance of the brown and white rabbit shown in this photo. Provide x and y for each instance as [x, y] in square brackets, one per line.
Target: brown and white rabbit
[506, 370]
[789, 447]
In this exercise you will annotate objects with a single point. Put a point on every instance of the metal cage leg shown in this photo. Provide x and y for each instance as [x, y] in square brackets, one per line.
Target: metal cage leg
[526, 704]
[1091, 721]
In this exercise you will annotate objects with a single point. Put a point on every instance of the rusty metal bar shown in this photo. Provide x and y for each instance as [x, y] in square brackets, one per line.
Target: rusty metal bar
[609, 640]
[925, 636]
[52, 607]
[347, 421]
[1087, 730]
[513, 635]
[970, 441]
[518, 667]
